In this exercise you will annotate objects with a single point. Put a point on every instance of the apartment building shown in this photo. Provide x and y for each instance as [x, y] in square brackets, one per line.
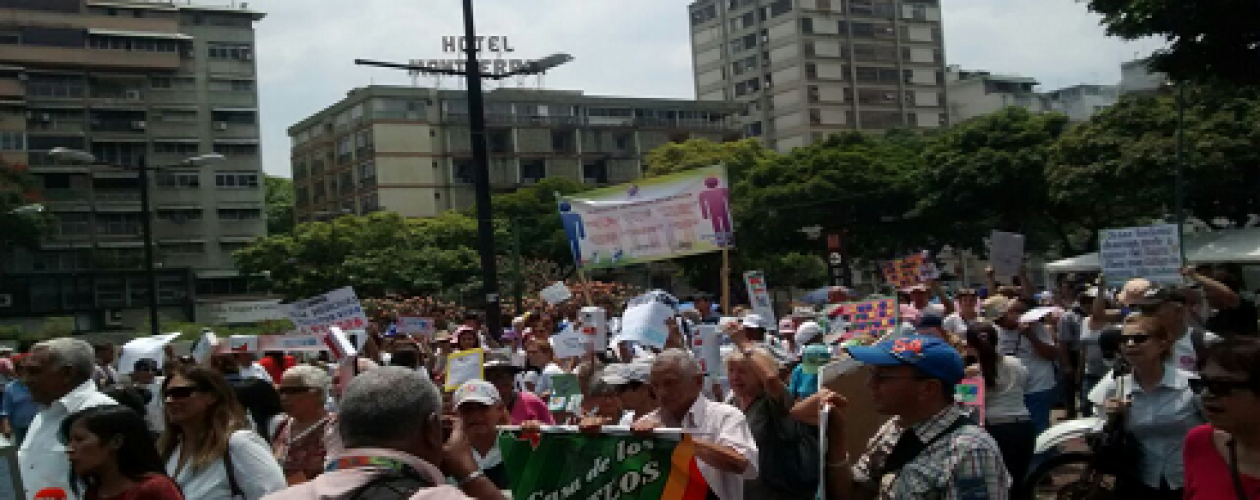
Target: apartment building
[974, 93]
[805, 69]
[1080, 102]
[408, 149]
[130, 81]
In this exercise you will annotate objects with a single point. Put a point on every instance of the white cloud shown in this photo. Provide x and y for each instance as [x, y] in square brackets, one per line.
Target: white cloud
[307, 47]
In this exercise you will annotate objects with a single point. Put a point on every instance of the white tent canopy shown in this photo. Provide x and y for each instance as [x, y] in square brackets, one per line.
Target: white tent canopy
[1230, 245]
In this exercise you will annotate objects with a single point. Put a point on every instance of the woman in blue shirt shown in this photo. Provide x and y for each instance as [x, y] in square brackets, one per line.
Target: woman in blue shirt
[17, 409]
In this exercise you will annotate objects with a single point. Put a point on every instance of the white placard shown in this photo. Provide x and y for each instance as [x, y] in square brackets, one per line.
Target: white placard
[144, 347]
[568, 343]
[594, 321]
[463, 366]
[645, 323]
[1006, 253]
[706, 345]
[339, 344]
[759, 297]
[1151, 252]
[340, 308]
[242, 343]
[1037, 313]
[556, 293]
[416, 325]
[205, 348]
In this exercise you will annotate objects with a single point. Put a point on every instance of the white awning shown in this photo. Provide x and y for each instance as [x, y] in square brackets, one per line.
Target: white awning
[140, 34]
[1230, 245]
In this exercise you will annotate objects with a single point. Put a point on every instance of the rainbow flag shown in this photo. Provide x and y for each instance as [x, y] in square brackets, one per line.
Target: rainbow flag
[555, 465]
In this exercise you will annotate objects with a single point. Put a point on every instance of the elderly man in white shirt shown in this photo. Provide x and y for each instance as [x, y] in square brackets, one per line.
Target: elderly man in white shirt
[726, 452]
[59, 375]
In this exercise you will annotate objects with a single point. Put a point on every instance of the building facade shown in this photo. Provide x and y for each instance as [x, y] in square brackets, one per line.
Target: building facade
[805, 69]
[977, 93]
[130, 81]
[1080, 102]
[408, 150]
[1137, 77]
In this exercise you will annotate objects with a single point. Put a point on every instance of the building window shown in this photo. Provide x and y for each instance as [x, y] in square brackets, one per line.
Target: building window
[179, 216]
[562, 141]
[815, 116]
[367, 170]
[464, 172]
[807, 26]
[176, 148]
[240, 214]
[179, 180]
[182, 248]
[780, 7]
[118, 224]
[813, 94]
[533, 171]
[236, 180]
[811, 71]
[231, 51]
[12, 141]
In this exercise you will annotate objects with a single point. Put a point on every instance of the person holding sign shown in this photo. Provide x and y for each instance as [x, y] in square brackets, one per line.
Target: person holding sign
[478, 404]
[929, 449]
[1005, 379]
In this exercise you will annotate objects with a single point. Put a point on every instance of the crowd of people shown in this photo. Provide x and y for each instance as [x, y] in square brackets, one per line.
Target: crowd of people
[288, 426]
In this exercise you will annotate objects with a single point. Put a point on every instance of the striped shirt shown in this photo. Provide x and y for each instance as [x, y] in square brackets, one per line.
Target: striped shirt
[964, 465]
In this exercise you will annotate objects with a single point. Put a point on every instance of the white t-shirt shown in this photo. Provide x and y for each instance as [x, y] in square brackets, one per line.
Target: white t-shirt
[1040, 370]
[1006, 398]
[955, 324]
[254, 467]
[1184, 356]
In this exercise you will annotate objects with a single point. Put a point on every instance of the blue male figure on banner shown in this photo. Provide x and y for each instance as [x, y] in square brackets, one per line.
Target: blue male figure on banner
[574, 229]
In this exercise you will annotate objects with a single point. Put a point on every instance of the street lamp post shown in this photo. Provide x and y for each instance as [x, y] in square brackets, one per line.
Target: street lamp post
[146, 213]
[477, 131]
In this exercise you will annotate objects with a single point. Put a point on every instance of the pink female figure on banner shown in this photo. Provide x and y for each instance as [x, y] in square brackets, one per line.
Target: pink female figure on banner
[715, 206]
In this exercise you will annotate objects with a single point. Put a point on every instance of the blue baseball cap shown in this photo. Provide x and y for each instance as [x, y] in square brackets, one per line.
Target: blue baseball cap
[930, 355]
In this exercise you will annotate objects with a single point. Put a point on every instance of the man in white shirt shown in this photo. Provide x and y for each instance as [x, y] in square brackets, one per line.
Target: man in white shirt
[59, 375]
[726, 452]
[1035, 347]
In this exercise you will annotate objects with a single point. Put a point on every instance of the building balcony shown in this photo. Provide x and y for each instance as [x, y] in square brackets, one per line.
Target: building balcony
[166, 229]
[36, 56]
[113, 197]
[231, 67]
[174, 130]
[12, 88]
[225, 130]
[180, 260]
[167, 197]
[67, 198]
[38, 126]
[243, 99]
[188, 96]
[243, 228]
[20, 17]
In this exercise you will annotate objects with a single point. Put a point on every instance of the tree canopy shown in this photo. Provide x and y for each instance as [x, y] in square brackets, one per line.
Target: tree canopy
[279, 199]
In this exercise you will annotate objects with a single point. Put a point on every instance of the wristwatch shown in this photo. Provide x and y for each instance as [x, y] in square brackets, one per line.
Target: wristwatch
[469, 478]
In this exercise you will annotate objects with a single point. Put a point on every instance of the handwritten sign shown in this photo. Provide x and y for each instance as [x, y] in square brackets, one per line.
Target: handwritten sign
[568, 343]
[970, 392]
[867, 320]
[463, 366]
[144, 348]
[759, 296]
[909, 271]
[594, 321]
[340, 308]
[556, 293]
[1151, 252]
[706, 345]
[1006, 253]
[416, 325]
[205, 347]
[564, 387]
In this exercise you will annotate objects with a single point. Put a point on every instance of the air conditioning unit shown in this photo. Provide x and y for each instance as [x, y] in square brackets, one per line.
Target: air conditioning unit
[133, 95]
[113, 317]
[220, 125]
[138, 125]
[6, 300]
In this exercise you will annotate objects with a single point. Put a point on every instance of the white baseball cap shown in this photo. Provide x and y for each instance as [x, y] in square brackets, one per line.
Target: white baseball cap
[754, 321]
[806, 331]
[476, 391]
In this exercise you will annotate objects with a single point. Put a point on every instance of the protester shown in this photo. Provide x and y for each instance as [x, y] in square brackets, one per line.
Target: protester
[59, 376]
[1033, 345]
[1222, 284]
[631, 381]
[208, 445]
[17, 406]
[1006, 417]
[787, 459]
[250, 368]
[804, 381]
[838, 295]
[111, 452]
[1068, 338]
[386, 460]
[709, 314]
[1093, 363]
[1222, 458]
[129, 396]
[104, 374]
[1159, 408]
[605, 403]
[724, 446]
[276, 363]
[466, 337]
[262, 405]
[1170, 306]
[540, 357]
[307, 433]
[912, 379]
[523, 405]
[966, 310]
[481, 409]
[144, 376]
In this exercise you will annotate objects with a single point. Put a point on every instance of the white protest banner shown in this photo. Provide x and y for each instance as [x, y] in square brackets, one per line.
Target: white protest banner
[242, 343]
[556, 293]
[568, 343]
[205, 347]
[463, 366]
[416, 325]
[651, 219]
[142, 348]
[1006, 253]
[338, 308]
[759, 297]
[1151, 252]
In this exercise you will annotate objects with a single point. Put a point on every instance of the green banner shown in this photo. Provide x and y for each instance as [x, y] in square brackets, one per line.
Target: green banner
[563, 465]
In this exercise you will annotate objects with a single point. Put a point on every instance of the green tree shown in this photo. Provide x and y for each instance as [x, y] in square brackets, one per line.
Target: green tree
[19, 226]
[988, 173]
[534, 219]
[1219, 39]
[279, 201]
[738, 156]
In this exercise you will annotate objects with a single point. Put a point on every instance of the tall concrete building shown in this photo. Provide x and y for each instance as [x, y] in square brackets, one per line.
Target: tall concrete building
[805, 69]
[130, 81]
[407, 149]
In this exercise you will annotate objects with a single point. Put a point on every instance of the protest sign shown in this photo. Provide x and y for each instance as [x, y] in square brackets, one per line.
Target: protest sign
[206, 346]
[652, 219]
[569, 464]
[556, 293]
[594, 321]
[908, 271]
[568, 343]
[1151, 252]
[866, 320]
[339, 344]
[759, 296]
[564, 386]
[706, 345]
[463, 366]
[644, 319]
[338, 308]
[416, 325]
[144, 348]
[241, 343]
[1006, 253]
[970, 392]
[291, 343]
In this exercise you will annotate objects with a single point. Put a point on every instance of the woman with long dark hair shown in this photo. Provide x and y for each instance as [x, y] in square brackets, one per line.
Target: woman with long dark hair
[1005, 384]
[208, 446]
[111, 453]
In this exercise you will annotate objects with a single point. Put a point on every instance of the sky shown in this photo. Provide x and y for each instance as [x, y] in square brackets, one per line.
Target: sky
[306, 48]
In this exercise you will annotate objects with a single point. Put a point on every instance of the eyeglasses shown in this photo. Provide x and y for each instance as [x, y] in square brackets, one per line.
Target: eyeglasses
[1220, 387]
[181, 392]
[1135, 339]
[293, 389]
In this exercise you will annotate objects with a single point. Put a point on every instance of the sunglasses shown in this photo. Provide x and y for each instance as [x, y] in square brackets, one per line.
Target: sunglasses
[291, 390]
[1218, 387]
[1135, 339]
[181, 392]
